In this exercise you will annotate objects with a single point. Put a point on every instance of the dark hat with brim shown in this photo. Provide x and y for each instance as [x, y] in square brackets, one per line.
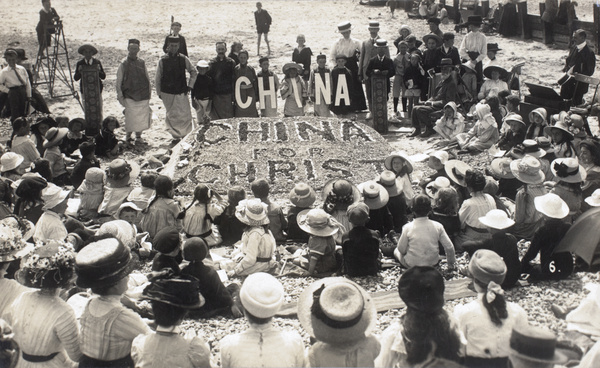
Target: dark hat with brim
[180, 291]
[438, 39]
[456, 170]
[45, 120]
[21, 54]
[103, 263]
[475, 20]
[54, 136]
[166, 240]
[494, 68]
[11, 51]
[341, 188]
[302, 195]
[493, 47]
[289, 66]
[446, 62]
[434, 20]
[87, 46]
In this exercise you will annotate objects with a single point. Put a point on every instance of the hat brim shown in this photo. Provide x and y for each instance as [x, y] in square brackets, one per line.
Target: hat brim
[326, 231]
[403, 155]
[538, 178]
[451, 164]
[200, 303]
[24, 277]
[496, 225]
[328, 187]
[248, 221]
[558, 358]
[541, 207]
[62, 132]
[319, 330]
[393, 190]
[487, 72]
[437, 38]
[17, 253]
[108, 281]
[497, 170]
[592, 201]
[305, 201]
[548, 131]
[577, 178]
[289, 66]
[82, 49]
[14, 165]
[375, 203]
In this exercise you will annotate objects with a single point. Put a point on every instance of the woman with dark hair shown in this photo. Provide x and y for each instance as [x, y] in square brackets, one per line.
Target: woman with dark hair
[163, 210]
[29, 202]
[426, 335]
[38, 132]
[487, 322]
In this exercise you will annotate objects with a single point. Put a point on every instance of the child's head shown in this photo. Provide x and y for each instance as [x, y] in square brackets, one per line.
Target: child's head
[358, 214]
[515, 122]
[411, 40]
[175, 28]
[21, 126]
[448, 39]
[243, 57]
[446, 201]
[448, 112]
[434, 24]
[437, 160]
[431, 42]
[46, 4]
[264, 63]
[382, 47]
[259, 5]
[128, 211]
[234, 195]
[493, 102]
[538, 116]
[415, 59]
[95, 176]
[236, 47]
[340, 61]
[399, 163]
[260, 188]
[202, 67]
[42, 125]
[87, 149]
[147, 179]
[195, 249]
[62, 121]
[173, 45]
[55, 136]
[402, 47]
[300, 40]
[404, 31]
[42, 167]
[163, 185]
[512, 102]
[492, 50]
[421, 205]
[110, 123]
[171, 297]
[202, 193]
[558, 136]
[167, 241]
[291, 70]
[76, 125]
[475, 180]
[10, 163]
[261, 296]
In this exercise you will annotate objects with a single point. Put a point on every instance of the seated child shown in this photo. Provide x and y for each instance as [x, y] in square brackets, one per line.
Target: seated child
[484, 133]
[118, 178]
[74, 137]
[277, 220]
[538, 121]
[130, 213]
[436, 161]
[397, 201]
[418, 244]
[451, 123]
[22, 144]
[50, 225]
[163, 210]
[218, 299]
[91, 193]
[337, 195]
[88, 160]
[197, 217]
[58, 162]
[302, 196]
[141, 195]
[107, 144]
[445, 208]
[376, 197]
[321, 244]
[514, 135]
[360, 246]
[230, 227]
[167, 243]
[171, 298]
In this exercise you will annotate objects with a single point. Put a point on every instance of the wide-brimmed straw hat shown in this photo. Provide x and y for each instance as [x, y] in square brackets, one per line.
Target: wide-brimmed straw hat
[54, 136]
[180, 291]
[53, 195]
[535, 344]
[317, 222]
[14, 232]
[288, 66]
[513, 117]
[336, 310]
[496, 219]
[340, 188]
[387, 179]
[560, 125]
[568, 170]
[121, 230]
[120, 172]
[48, 266]
[456, 170]
[528, 170]
[85, 47]
[374, 195]
[594, 199]
[262, 295]
[434, 186]
[401, 154]
[438, 39]
[551, 205]
[103, 263]
[440, 155]
[501, 167]
[10, 161]
[302, 195]
[495, 68]
[252, 212]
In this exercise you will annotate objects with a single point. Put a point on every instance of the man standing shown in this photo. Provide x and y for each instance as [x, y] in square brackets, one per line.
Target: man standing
[444, 92]
[367, 51]
[434, 26]
[381, 64]
[581, 60]
[172, 89]
[350, 48]
[221, 70]
[15, 82]
[263, 23]
[133, 92]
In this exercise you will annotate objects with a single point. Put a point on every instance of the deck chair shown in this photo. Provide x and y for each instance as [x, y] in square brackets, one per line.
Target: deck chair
[586, 110]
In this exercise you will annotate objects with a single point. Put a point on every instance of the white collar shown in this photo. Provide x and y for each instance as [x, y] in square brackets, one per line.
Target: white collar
[581, 46]
[171, 329]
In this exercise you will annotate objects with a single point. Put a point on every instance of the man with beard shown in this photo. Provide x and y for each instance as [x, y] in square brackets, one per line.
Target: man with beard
[350, 48]
[221, 72]
[444, 92]
[581, 60]
[172, 88]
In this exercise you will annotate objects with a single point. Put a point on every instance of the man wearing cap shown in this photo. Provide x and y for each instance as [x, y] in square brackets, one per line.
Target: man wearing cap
[221, 70]
[380, 64]
[350, 48]
[368, 50]
[434, 26]
[15, 82]
[443, 93]
[172, 88]
[134, 91]
[581, 60]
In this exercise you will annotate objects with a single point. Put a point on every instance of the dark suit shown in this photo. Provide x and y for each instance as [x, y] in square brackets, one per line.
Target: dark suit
[82, 62]
[443, 93]
[583, 62]
[386, 64]
[440, 54]
[367, 51]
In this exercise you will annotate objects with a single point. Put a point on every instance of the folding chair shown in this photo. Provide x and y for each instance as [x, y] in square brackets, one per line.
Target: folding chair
[586, 110]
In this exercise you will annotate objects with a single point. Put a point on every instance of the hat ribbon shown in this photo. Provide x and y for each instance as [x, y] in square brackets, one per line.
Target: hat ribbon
[562, 170]
[319, 314]
[371, 195]
[493, 290]
[318, 224]
[458, 175]
[531, 149]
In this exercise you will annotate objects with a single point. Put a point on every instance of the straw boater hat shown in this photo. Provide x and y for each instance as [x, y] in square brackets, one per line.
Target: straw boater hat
[433, 187]
[48, 266]
[528, 170]
[53, 195]
[262, 295]
[496, 219]
[495, 68]
[303, 195]
[373, 24]
[374, 195]
[317, 222]
[180, 291]
[202, 64]
[532, 148]
[501, 167]
[85, 47]
[252, 212]
[560, 125]
[388, 180]
[535, 344]
[103, 263]
[438, 39]
[344, 26]
[551, 205]
[486, 266]
[289, 66]
[456, 170]
[120, 172]
[341, 188]
[54, 135]
[594, 199]
[10, 161]
[403, 155]
[13, 234]
[337, 311]
[568, 170]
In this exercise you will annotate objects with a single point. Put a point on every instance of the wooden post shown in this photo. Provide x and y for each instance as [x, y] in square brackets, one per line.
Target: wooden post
[379, 103]
[547, 33]
[92, 99]
[522, 11]
[597, 27]
[485, 8]
[456, 5]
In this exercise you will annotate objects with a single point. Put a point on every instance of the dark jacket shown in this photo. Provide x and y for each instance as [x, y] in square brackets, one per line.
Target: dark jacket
[182, 45]
[386, 64]
[211, 287]
[78, 174]
[545, 239]
[451, 54]
[78, 75]
[360, 247]
[505, 245]
[443, 93]
[263, 21]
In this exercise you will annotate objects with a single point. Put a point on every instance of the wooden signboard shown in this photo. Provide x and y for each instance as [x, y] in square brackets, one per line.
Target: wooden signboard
[379, 105]
[92, 98]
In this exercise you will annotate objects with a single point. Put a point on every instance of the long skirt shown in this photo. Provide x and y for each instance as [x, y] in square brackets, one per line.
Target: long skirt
[357, 94]
[179, 114]
[250, 111]
[138, 115]
[222, 107]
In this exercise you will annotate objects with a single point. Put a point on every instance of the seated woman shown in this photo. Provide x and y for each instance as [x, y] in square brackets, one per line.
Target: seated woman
[495, 82]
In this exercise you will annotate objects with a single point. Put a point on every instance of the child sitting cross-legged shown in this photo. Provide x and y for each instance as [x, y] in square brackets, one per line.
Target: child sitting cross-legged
[360, 246]
[418, 244]
[483, 135]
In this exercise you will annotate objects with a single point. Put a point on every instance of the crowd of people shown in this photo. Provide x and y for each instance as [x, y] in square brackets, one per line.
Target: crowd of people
[99, 269]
